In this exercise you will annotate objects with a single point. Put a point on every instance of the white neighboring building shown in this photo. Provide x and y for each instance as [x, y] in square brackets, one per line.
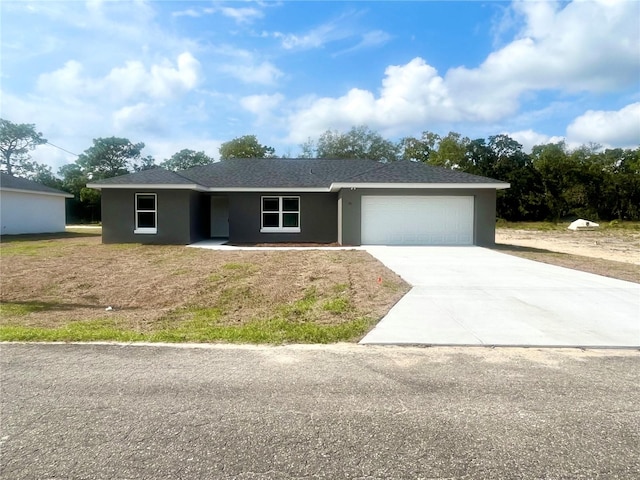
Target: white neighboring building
[29, 207]
[582, 224]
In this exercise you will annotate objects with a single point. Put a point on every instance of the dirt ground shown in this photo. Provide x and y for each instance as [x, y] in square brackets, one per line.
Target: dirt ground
[77, 277]
[610, 252]
[615, 245]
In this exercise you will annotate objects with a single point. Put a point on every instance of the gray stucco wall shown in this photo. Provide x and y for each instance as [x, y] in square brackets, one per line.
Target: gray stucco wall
[184, 216]
[174, 209]
[484, 211]
[318, 219]
[485, 218]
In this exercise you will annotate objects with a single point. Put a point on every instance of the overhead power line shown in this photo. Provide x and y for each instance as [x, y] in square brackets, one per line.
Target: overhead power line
[63, 149]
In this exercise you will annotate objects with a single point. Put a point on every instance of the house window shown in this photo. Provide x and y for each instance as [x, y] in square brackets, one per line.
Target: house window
[280, 214]
[146, 213]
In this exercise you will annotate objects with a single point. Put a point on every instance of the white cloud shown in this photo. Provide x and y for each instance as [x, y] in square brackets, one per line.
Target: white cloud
[160, 81]
[315, 38]
[334, 30]
[189, 12]
[264, 73]
[61, 126]
[262, 106]
[112, 19]
[244, 66]
[119, 31]
[67, 82]
[233, 52]
[139, 117]
[371, 39]
[374, 38]
[411, 94]
[529, 138]
[136, 88]
[242, 14]
[164, 149]
[166, 80]
[609, 128]
[584, 46]
[258, 104]
[503, 23]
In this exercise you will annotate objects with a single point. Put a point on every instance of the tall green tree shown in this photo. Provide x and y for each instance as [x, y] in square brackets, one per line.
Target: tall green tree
[419, 149]
[586, 181]
[358, 142]
[73, 178]
[451, 151]
[185, 159]
[308, 149]
[246, 146]
[508, 162]
[74, 181]
[145, 163]
[16, 141]
[626, 184]
[605, 184]
[556, 169]
[478, 159]
[44, 174]
[109, 157]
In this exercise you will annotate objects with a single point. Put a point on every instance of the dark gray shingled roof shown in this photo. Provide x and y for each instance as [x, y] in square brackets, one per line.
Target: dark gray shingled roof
[276, 173]
[406, 171]
[297, 173]
[17, 183]
[154, 176]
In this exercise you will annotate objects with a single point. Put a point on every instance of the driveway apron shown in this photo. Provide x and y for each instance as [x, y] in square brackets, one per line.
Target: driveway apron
[477, 296]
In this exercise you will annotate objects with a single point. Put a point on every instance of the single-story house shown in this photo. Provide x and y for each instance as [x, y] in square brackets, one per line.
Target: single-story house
[30, 207]
[350, 202]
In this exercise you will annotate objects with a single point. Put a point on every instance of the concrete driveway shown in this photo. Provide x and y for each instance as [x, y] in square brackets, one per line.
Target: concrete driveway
[477, 296]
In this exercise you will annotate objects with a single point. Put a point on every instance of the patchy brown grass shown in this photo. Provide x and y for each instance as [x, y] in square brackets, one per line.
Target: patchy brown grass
[51, 281]
[56, 287]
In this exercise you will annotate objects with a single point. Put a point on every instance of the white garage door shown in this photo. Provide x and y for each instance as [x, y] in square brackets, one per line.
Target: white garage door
[413, 220]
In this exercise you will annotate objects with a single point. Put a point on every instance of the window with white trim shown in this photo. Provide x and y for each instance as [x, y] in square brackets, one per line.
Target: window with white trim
[146, 213]
[280, 214]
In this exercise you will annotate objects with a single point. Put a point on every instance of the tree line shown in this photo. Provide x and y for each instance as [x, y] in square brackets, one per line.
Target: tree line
[553, 182]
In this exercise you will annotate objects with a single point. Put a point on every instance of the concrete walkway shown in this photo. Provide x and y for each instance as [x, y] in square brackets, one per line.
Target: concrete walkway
[477, 296]
[221, 244]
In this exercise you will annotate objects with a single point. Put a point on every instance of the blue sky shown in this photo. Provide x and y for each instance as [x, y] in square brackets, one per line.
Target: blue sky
[181, 74]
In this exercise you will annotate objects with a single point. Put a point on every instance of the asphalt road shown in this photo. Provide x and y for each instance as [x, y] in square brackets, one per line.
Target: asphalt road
[154, 412]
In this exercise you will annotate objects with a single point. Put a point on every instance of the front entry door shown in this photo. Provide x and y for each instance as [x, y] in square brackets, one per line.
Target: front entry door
[219, 217]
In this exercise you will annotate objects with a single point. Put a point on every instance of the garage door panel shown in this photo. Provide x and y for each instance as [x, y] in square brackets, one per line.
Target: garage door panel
[417, 220]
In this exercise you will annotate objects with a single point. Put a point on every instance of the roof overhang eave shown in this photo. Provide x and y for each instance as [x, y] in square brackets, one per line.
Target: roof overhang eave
[333, 188]
[36, 192]
[420, 186]
[201, 188]
[142, 186]
[269, 189]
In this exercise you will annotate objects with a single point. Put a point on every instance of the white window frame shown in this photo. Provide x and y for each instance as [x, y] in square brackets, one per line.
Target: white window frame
[147, 230]
[280, 212]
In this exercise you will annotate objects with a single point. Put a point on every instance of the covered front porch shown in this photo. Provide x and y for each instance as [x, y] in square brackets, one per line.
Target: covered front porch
[265, 217]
